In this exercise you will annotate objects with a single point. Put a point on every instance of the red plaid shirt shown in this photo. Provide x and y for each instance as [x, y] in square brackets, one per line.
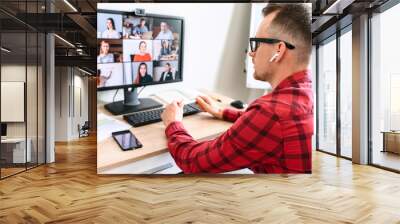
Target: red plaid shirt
[273, 135]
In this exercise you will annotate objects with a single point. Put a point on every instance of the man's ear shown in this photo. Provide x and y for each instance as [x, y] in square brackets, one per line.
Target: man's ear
[280, 50]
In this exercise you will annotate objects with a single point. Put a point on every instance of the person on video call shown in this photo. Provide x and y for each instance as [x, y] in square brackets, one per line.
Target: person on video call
[103, 77]
[175, 47]
[142, 55]
[127, 28]
[167, 73]
[165, 33]
[142, 76]
[165, 49]
[105, 56]
[140, 29]
[110, 32]
[273, 135]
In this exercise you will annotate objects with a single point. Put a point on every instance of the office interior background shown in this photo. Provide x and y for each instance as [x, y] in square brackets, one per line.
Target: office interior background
[39, 108]
[26, 47]
[51, 60]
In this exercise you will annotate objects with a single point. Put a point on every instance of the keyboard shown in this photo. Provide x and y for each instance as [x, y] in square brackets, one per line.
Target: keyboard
[153, 116]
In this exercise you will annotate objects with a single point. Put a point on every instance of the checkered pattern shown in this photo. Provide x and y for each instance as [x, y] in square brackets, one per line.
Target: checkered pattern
[273, 135]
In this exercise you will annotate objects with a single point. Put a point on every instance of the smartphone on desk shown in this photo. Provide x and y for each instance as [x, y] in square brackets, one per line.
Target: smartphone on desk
[126, 140]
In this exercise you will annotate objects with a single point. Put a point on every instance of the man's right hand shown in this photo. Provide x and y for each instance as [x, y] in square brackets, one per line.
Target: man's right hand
[208, 105]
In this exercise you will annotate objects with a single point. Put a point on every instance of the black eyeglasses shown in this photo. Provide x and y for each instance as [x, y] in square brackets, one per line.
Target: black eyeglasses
[255, 42]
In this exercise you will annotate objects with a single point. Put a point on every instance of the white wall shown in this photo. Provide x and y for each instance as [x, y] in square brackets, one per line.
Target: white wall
[69, 82]
[61, 104]
[215, 39]
[17, 73]
[33, 126]
[81, 103]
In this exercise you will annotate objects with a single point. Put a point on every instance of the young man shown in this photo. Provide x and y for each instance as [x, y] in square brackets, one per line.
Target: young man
[165, 32]
[274, 134]
[141, 28]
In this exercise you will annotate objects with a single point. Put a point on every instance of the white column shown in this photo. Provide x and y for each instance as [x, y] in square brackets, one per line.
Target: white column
[360, 90]
[50, 98]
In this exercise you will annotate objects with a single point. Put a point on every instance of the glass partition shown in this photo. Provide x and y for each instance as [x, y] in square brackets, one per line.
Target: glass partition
[13, 94]
[22, 77]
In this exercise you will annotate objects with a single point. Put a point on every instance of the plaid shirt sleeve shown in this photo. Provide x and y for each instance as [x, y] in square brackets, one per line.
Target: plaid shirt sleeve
[231, 114]
[239, 147]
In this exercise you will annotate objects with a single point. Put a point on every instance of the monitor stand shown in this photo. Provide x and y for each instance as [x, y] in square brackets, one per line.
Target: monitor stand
[131, 103]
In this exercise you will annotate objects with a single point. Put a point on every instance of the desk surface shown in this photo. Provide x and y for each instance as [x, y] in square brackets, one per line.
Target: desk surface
[200, 126]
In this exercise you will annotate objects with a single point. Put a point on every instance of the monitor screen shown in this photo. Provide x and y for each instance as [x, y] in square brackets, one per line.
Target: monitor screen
[138, 50]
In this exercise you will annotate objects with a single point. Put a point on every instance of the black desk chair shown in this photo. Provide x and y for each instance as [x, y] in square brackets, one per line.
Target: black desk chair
[84, 130]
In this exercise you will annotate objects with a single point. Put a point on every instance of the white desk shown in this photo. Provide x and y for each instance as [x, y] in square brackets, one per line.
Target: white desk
[18, 149]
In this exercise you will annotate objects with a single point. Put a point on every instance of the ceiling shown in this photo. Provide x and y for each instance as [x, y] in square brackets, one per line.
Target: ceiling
[77, 27]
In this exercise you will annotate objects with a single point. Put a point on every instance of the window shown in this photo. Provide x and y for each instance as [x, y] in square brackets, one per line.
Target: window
[346, 95]
[385, 89]
[327, 95]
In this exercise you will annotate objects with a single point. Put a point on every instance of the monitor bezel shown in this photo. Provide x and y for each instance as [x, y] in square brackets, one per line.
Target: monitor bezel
[125, 13]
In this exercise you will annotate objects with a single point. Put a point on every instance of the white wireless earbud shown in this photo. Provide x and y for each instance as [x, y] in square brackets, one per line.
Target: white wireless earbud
[274, 57]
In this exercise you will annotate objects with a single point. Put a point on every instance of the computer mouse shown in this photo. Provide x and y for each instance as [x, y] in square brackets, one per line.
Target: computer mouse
[237, 104]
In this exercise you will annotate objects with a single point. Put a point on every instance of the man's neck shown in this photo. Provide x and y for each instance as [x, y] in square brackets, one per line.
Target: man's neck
[283, 73]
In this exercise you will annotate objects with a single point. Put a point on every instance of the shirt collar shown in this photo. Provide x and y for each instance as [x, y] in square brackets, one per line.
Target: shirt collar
[295, 77]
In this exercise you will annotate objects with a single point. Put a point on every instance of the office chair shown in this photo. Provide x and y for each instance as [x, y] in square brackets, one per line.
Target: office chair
[84, 130]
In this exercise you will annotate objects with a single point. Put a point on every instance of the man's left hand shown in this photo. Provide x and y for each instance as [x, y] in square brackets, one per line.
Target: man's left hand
[172, 112]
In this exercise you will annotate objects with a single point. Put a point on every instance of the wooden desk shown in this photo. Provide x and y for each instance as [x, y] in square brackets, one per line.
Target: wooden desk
[200, 126]
[14, 150]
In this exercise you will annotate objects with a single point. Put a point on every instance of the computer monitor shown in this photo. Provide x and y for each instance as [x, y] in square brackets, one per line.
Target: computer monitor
[3, 130]
[136, 51]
